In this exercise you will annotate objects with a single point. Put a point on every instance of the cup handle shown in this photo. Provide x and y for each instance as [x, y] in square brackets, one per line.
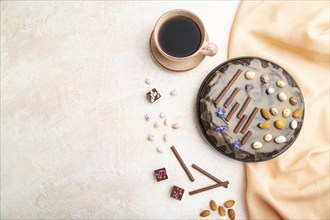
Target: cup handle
[209, 49]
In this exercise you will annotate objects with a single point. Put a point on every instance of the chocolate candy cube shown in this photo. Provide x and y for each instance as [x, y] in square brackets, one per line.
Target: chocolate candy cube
[161, 174]
[153, 95]
[177, 192]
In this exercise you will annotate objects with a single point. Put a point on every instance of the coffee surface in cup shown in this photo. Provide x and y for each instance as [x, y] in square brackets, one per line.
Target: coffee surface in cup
[179, 37]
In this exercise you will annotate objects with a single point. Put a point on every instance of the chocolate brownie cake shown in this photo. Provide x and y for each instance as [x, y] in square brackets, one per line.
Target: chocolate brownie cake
[250, 109]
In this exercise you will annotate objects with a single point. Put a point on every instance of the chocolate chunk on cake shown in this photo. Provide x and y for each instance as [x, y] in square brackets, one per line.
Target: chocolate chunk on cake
[250, 109]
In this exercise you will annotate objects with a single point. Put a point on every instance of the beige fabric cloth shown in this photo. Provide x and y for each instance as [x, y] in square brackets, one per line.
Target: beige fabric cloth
[295, 35]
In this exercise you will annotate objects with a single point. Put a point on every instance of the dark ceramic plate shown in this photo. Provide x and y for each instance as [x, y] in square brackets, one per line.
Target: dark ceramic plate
[237, 105]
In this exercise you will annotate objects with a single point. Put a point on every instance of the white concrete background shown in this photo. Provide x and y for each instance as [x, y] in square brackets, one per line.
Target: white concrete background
[73, 134]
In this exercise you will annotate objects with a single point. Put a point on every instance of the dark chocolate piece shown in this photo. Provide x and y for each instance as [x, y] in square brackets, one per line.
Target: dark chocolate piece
[177, 192]
[232, 111]
[246, 103]
[161, 174]
[225, 90]
[209, 175]
[224, 184]
[153, 95]
[240, 123]
[231, 97]
[251, 117]
[246, 137]
[177, 155]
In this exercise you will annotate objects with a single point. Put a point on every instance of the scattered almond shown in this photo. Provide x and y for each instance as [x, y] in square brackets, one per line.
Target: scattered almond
[222, 211]
[231, 214]
[297, 113]
[264, 125]
[213, 205]
[229, 203]
[205, 213]
[265, 113]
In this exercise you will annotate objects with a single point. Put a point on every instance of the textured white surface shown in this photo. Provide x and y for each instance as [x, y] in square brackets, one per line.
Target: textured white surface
[73, 133]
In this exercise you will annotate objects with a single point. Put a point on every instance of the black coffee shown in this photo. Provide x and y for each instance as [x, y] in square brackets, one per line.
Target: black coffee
[179, 37]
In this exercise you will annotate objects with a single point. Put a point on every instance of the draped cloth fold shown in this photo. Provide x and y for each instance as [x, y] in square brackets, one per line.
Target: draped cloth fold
[294, 34]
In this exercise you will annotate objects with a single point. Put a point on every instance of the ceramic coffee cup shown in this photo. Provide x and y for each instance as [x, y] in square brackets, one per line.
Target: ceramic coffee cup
[184, 63]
